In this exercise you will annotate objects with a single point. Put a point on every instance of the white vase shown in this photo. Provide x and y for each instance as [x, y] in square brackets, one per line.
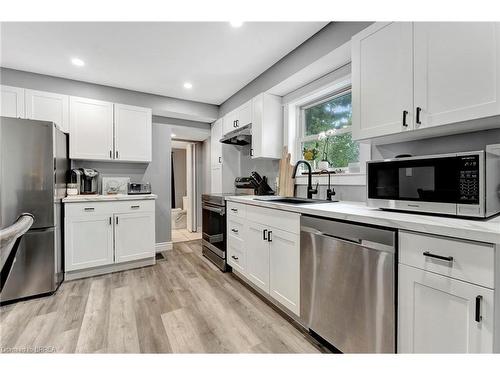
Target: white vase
[323, 164]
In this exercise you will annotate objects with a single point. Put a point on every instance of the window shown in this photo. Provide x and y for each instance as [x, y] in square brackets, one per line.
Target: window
[326, 131]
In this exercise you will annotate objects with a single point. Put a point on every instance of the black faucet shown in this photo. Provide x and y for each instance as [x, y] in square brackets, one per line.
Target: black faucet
[310, 190]
[330, 191]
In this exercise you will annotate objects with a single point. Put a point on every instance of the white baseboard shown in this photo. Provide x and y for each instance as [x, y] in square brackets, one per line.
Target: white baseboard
[163, 246]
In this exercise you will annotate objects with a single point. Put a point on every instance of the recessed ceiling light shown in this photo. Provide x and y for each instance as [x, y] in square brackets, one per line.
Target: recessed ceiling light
[78, 62]
[236, 23]
[188, 85]
[173, 135]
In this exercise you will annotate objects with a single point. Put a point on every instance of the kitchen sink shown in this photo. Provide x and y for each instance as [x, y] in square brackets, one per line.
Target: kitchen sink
[292, 200]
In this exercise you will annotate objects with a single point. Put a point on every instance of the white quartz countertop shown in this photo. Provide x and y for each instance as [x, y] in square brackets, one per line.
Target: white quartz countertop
[104, 198]
[476, 230]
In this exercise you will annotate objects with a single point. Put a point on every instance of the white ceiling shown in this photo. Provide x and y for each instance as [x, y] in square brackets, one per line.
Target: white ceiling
[154, 57]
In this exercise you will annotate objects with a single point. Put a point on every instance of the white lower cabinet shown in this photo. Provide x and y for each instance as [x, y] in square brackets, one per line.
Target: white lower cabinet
[134, 236]
[88, 241]
[107, 233]
[445, 295]
[257, 255]
[268, 251]
[438, 314]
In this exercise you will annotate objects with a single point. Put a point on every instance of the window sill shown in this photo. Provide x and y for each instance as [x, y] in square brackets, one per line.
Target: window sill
[358, 179]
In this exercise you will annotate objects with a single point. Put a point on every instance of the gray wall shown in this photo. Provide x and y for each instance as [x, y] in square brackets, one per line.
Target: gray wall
[157, 173]
[161, 105]
[324, 41]
[179, 161]
[440, 145]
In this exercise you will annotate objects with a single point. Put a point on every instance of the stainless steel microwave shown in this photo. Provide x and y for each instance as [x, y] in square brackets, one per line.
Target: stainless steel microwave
[461, 184]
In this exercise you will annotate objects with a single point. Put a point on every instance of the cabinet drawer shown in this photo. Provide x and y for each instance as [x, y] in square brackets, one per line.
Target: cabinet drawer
[235, 227]
[284, 220]
[236, 209]
[235, 253]
[464, 260]
[144, 205]
[88, 208]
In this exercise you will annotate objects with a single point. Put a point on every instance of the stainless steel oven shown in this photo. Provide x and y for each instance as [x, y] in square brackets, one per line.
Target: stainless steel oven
[214, 229]
[462, 184]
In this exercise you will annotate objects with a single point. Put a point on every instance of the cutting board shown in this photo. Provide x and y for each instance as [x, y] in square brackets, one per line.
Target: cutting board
[286, 182]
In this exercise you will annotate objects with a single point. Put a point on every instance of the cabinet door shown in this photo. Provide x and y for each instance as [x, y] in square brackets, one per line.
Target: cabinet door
[267, 126]
[457, 71]
[216, 180]
[215, 145]
[48, 106]
[133, 133]
[134, 236]
[88, 241]
[257, 255]
[91, 129]
[382, 80]
[284, 254]
[244, 114]
[228, 123]
[437, 314]
[11, 101]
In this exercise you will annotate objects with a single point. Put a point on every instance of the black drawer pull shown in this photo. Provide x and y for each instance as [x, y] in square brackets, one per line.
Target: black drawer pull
[405, 113]
[264, 234]
[478, 318]
[417, 120]
[235, 258]
[234, 209]
[234, 230]
[89, 209]
[135, 206]
[430, 255]
[269, 237]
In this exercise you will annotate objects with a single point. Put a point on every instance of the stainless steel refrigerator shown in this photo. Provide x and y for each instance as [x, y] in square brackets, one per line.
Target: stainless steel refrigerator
[34, 164]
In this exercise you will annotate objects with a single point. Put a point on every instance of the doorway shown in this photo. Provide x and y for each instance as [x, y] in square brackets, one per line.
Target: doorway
[184, 192]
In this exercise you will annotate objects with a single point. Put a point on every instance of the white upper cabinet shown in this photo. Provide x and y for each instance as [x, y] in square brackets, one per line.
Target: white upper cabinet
[382, 80]
[48, 106]
[229, 122]
[457, 71]
[215, 145]
[267, 127]
[11, 101]
[244, 114]
[133, 133]
[439, 73]
[91, 129]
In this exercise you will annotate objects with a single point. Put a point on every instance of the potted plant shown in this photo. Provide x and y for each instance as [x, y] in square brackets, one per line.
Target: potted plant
[310, 154]
[324, 164]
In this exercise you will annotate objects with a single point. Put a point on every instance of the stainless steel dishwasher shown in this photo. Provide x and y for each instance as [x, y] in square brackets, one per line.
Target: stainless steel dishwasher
[348, 284]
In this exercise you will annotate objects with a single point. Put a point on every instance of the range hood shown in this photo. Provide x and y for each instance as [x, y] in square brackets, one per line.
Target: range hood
[239, 137]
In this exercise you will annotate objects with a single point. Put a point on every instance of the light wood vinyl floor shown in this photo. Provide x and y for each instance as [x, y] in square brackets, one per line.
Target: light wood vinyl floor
[183, 304]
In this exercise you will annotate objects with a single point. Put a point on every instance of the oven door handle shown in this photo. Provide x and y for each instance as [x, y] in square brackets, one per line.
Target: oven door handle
[219, 210]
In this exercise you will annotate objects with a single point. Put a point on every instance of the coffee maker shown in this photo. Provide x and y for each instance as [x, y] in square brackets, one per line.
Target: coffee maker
[86, 180]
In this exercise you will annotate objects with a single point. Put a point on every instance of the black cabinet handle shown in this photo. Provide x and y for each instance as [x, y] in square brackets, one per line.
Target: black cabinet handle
[417, 119]
[117, 154]
[478, 318]
[269, 238]
[234, 123]
[135, 206]
[110, 154]
[89, 209]
[234, 230]
[235, 258]
[405, 113]
[110, 220]
[117, 220]
[251, 152]
[220, 159]
[264, 235]
[430, 255]
[234, 209]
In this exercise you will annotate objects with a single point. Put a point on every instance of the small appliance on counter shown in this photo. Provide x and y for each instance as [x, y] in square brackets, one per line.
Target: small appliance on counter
[135, 188]
[86, 180]
[115, 185]
[253, 185]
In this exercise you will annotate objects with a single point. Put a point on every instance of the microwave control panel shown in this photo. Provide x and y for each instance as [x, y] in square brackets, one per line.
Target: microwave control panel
[469, 179]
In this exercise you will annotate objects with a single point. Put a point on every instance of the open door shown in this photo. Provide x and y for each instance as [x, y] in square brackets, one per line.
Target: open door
[192, 224]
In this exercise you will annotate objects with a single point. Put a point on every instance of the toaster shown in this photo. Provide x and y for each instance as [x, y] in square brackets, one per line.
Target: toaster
[139, 188]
